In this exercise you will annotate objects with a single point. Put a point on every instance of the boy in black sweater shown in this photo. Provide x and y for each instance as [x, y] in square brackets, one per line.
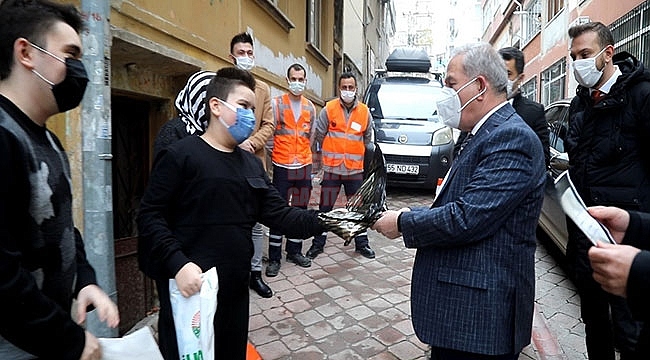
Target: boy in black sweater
[204, 196]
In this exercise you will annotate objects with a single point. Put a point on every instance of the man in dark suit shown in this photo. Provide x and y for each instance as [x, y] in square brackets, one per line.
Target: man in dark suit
[532, 112]
[473, 282]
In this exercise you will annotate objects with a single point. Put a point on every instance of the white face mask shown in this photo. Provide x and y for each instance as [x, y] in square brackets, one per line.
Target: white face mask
[347, 96]
[296, 87]
[244, 63]
[449, 108]
[586, 72]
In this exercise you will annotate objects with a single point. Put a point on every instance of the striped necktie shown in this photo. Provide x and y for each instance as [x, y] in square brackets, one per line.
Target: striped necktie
[464, 143]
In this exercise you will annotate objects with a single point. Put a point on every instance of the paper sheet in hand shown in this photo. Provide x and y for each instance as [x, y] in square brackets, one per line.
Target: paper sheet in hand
[140, 344]
[576, 210]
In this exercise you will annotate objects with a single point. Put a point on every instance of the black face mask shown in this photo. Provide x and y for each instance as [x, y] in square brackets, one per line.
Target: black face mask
[69, 92]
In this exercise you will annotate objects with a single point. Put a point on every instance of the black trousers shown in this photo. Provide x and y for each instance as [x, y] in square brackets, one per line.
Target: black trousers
[294, 185]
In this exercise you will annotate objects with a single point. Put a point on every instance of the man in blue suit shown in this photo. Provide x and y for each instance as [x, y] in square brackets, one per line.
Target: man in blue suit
[473, 282]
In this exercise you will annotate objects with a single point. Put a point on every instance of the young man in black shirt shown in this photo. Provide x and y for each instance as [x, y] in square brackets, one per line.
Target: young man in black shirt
[42, 259]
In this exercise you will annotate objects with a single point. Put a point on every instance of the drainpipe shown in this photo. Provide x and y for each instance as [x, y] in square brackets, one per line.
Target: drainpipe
[97, 156]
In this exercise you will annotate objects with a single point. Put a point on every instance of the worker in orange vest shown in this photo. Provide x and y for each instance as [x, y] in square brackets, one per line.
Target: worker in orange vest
[343, 130]
[291, 155]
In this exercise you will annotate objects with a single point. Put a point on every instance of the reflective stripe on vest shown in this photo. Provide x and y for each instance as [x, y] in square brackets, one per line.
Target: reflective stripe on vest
[343, 142]
[291, 143]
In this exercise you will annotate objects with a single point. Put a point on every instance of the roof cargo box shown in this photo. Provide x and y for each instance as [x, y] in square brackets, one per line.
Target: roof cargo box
[408, 59]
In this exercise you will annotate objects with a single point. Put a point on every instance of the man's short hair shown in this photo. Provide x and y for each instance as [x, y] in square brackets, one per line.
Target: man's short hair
[240, 38]
[481, 59]
[512, 53]
[296, 67]
[224, 82]
[32, 20]
[604, 35]
[347, 75]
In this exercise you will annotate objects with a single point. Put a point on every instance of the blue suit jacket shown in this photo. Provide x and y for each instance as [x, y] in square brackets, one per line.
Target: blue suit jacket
[473, 284]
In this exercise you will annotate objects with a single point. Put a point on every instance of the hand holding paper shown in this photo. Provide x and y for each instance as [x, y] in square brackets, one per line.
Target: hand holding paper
[576, 210]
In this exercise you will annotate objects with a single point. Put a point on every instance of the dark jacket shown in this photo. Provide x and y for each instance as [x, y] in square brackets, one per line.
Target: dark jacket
[607, 143]
[533, 114]
[171, 131]
[638, 283]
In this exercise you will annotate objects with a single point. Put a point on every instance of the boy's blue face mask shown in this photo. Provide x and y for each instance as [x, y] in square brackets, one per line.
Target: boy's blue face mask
[244, 125]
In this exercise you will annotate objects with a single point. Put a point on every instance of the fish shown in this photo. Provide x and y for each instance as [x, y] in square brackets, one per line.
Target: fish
[364, 207]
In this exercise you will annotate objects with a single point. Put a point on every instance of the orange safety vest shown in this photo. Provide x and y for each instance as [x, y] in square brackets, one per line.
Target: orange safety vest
[291, 143]
[343, 142]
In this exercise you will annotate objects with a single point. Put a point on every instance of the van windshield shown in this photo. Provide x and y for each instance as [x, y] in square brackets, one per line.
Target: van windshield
[404, 101]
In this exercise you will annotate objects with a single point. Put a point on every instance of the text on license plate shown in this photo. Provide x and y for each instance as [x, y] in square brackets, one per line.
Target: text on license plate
[403, 169]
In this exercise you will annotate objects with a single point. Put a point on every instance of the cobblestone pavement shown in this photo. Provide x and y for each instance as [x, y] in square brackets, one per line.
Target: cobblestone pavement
[348, 307]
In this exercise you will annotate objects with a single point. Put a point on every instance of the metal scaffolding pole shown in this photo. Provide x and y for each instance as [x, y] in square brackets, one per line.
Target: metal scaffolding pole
[96, 154]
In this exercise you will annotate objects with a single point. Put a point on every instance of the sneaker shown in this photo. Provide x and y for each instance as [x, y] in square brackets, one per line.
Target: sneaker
[314, 251]
[299, 259]
[366, 251]
[273, 268]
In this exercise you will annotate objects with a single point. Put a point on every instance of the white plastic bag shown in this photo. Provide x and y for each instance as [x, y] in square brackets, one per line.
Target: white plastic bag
[140, 344]
[193, 318]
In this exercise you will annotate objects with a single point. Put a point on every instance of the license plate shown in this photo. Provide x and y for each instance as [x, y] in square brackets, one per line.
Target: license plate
[403, 169]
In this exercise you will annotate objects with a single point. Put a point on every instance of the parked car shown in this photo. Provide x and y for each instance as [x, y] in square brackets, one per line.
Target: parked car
[417, 146]
[552, 219]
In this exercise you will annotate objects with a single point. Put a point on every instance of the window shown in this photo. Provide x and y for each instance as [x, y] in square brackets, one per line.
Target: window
[532, 20]
[557, 120]
[272, 7]
[632, 32]
[313, 23]
[314, 31]
[553, 7]
[553, 80]
[529, 89]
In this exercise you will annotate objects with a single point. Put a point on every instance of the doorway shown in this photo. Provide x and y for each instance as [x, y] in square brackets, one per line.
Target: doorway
[130, 145]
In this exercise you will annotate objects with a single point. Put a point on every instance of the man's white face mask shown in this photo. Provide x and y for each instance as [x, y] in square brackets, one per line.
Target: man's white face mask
[586, 72]
[244, 63]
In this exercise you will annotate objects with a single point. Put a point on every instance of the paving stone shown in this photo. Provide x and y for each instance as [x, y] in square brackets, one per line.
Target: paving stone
[274, 350]
[361, 312]
[320, 330]
[390, 336]
[342, 322]
[298, 306]
[347, 302]
[336, 291]
[286, 326]
[308, 317]
[406, 351]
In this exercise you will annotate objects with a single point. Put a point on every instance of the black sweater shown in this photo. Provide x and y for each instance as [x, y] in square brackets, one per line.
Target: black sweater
[201, 205]
[41, 253]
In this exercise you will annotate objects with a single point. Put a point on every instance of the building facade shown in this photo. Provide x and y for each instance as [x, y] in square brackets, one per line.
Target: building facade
[368, 26]
[540, 28]
[438, 26]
